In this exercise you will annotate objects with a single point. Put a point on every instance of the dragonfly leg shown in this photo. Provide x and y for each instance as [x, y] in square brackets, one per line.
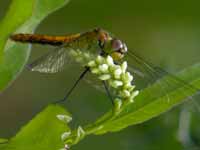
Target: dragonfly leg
[74, 85]
[108, 92]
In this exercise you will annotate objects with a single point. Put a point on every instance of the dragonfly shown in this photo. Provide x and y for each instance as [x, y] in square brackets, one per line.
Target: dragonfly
[98, 42]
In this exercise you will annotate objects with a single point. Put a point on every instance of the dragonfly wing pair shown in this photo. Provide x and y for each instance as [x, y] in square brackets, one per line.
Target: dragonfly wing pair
[56, 61]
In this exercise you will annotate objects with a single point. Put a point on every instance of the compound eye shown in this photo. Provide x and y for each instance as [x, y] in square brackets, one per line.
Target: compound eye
[117, 45]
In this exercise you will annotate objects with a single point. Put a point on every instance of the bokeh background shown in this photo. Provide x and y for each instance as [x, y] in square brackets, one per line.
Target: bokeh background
[166, 33]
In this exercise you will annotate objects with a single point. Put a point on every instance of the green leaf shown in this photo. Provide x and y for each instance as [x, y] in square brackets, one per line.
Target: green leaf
[3, 143]
[15, 55]
[42, 133]
[150, 103]
[3, 140]
[14, 17]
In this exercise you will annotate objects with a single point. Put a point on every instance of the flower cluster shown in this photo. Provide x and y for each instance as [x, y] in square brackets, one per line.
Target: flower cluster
[117, 77]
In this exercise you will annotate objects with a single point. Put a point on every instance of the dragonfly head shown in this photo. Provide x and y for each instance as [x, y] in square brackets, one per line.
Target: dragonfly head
[118, 49]
[112, 46]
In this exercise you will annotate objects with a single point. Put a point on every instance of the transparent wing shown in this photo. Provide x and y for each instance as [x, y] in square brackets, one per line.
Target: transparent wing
[97, 84]
[51, 62]
[94, 82]
[151, 74]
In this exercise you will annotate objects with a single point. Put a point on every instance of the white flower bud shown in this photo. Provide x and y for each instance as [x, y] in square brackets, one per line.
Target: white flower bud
[103, 68]
[66, 147]
[65, 135]
[64, 118]
[92, 64]
[128, 77]
[124, 66]
[116, 83]
[123, 77]
[113, 68]
[109, 61]
[99, 59]
[80, 132]
[134, 94]
[127, 85]
[95, 71]
[125, 93]
[86, 55]
[117, 73]
[130, 88]
[105, 77]
[130, 100]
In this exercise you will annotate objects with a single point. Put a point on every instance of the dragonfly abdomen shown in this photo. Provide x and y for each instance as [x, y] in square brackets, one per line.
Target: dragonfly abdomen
[44, 39]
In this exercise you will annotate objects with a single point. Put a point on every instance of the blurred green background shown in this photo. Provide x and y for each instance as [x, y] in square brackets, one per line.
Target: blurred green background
[166, 33]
